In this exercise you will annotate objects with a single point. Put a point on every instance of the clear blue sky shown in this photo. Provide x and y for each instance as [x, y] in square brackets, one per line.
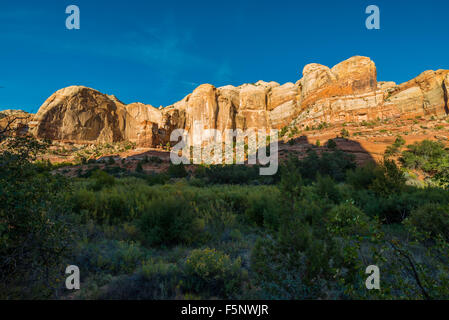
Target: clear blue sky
[157, 52]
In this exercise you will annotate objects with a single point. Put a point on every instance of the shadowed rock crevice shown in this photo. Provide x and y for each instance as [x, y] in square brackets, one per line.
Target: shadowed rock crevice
[446, 107]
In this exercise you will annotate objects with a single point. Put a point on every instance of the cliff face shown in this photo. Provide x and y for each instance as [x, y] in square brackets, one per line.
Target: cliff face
[14, 121]
[348, 92]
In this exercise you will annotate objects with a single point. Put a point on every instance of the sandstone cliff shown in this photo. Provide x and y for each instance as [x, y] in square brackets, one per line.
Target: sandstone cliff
[348, 92]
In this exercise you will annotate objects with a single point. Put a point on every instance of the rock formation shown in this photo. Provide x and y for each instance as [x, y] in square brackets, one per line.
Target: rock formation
[348, 92]
[14, 121]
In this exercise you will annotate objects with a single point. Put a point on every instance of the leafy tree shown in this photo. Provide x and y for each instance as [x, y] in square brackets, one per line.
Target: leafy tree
[389, 179]
[35, 234]
[426, 155]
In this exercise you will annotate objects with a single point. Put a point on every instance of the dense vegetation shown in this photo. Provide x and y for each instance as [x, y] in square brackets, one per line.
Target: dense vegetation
[225, 232]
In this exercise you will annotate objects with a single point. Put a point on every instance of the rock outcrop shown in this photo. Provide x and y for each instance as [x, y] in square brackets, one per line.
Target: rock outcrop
[348, 92]
[14, 121]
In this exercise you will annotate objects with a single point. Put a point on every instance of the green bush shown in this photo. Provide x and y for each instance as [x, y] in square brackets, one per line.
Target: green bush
[431, 219]
[36, 232]
[333, 164]
[395, 147]
[362, 177]
[347, 220]
[389, 178]
[139, 167]
[213, 272]
[110, 256]
[177, 171]
[344, 133]
[331, 144]
[101, 180]
[232, 174]
[326, 188]
[264, 210]
[169, 221]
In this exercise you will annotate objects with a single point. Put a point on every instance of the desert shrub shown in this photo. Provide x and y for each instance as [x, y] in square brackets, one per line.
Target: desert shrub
[156, 178]
[109, 206]
[154, 159]
[347, 219]
[177, 171]
[362, 177]
[432, 219]
[169, 221]
[395, 147]
[196, 182]
[101, 179]
[115, 171]
[151, 283]
[389, 178]
[283, 131]
[294, 265]
[327, 188]
[430, 157]
[331, 144]
[264, 209]
[333, 164]
[110, 256]
[228, 174]
[426, 155]
[394, 208]
[213, 272]
[344, 133]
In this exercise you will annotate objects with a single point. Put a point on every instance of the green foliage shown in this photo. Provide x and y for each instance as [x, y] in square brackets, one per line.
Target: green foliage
[283, 131]
[169, 221]
[344, 133]
[346, 219]
[331, 144]
[177, 171]
[154, 159]
[101, 180]
[395, 148]
[112, 257]
[389, 178]
[139, 167]
[362, 177]
[430, 157]
[213, 272]
[333, 164]
[431, 219]
[327, 188]
[426, 155]
[35, 232]
[307, 233]
[264, 210]
[234, 174]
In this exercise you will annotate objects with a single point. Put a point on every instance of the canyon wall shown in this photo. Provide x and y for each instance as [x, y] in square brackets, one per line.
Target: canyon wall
[348, 92]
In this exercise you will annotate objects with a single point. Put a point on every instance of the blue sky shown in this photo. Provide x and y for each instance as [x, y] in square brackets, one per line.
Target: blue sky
[157, 52]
